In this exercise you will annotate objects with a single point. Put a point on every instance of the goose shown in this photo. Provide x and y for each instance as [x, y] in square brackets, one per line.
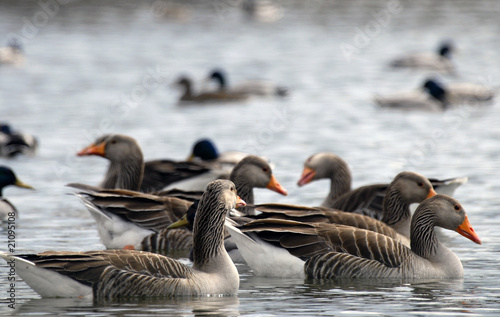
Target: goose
[134, 220]
[114, 274]
[189, 96]
[252, 88]
[284, 248]
[127, 169]
[13, 143]
[7, 178]
[367, 199]
[439, 61]
[406, 188]
[12, 54]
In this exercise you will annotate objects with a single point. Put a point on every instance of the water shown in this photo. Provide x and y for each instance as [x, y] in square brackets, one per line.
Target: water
[89, 70]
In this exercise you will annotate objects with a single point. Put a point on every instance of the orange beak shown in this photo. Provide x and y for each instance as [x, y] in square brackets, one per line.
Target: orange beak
[240, 202]
[307, 176]
[94, 149]
[466, 230]
[274, 185]
[432, 192]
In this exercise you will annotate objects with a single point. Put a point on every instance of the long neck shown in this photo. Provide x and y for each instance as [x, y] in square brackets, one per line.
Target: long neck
[395, 209]
[245, 191]
[424, 241]
[340, 182]
[125, 175]
[208, 232]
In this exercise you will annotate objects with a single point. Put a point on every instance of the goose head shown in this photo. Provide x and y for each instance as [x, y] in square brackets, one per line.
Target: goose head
[7, 178]
[114, 147]
[205, 150]
[254, 172]
[219, 76]
[324, 165]
[447, 213]
[412, 187]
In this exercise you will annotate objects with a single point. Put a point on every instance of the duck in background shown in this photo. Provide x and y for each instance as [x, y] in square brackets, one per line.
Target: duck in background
[439, 61]
[265, 11]
[252, 87]
[435, 96]
[13, 142]
[12, 54]
[190, 97]
[7, 178]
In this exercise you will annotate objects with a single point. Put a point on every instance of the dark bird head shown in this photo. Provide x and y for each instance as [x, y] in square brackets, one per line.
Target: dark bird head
[436, 90]
[219, 76]
[205, 150]
[446, 48]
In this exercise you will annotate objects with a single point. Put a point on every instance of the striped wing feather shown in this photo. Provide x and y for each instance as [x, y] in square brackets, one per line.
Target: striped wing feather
[365, 200]
[118, 273]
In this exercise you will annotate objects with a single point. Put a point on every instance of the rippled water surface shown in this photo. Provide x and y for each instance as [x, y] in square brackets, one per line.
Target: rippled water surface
[88, 72]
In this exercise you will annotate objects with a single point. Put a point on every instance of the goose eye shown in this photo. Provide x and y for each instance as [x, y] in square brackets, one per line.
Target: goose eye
[113, 142]
[265, 169]
[420, 184]
[456, 207]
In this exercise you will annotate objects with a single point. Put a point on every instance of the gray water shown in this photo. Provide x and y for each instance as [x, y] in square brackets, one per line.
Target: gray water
[88, 72]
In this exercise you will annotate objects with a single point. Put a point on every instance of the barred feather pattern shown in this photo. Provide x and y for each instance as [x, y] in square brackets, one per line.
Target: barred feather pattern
[395, 208]
[168, 240]
[207, 245]
[424, 241]
[127, 175]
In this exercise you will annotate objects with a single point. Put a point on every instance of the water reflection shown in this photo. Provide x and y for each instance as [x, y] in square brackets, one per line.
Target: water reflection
[180, 306]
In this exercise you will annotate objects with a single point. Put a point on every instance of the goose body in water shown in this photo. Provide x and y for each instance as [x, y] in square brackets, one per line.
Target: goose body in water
[283, 248]
[113, 274]
[127, 169]
[439, 61]
[367, 200]
[7, 178]
[139, 221]
[251, 88]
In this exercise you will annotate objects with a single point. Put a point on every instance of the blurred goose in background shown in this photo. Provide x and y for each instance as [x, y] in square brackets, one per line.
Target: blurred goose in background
[439, 61]
[436, 96]
[366, 200]
[127, 169]
[284, 248]
[7, 178]
[139, 221]
[251, 87]
[13, 143]
[12, 54]
[189, 96]
[113, 274]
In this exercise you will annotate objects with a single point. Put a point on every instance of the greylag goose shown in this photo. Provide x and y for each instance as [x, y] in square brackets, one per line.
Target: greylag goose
[251, 88]
[127, 169]
[112, 274]
[7, 178]
[189, 96]
[406, 188]
[284, 248]
[439, 61]
[139, 221]
[365, 200]
[12, 54]
[13, 143]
